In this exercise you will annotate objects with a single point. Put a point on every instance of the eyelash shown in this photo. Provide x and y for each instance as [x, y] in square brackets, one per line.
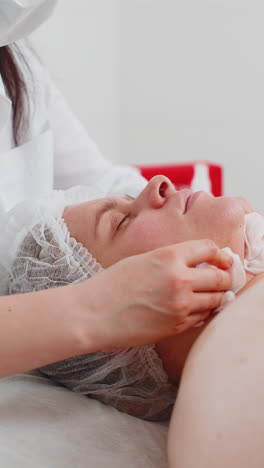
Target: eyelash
[121, 222]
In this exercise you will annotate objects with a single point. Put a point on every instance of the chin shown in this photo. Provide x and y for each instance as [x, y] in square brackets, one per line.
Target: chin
[238, 246]
[232, 210]
[233, 218]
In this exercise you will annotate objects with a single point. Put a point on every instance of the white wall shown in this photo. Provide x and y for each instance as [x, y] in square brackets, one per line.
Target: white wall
[189, 84]
[192, 86]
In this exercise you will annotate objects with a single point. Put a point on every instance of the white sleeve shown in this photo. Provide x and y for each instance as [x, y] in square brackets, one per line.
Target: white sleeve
[77, 158]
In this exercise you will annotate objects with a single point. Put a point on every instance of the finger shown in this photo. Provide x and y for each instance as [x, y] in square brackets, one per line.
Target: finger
[195, 320]
[205, 250]
[204, 301]
[210, 279]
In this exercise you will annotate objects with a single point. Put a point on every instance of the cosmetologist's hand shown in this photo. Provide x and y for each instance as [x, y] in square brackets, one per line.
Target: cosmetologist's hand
[145, 298]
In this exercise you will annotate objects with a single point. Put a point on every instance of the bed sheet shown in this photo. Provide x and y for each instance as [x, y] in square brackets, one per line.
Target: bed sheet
[47, 426]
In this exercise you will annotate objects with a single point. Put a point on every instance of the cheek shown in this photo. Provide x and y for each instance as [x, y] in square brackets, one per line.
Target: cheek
[225, 224]
[230, 215]
[230, 210]
[143, 234]
[146, 233]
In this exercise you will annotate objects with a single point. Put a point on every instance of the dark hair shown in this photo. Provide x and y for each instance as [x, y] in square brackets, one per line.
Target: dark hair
[15, 86]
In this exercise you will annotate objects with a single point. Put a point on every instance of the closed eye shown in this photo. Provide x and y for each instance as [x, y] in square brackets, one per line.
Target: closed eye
[122, 221]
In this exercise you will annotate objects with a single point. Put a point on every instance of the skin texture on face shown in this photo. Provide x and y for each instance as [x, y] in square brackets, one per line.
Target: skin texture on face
[116, 228]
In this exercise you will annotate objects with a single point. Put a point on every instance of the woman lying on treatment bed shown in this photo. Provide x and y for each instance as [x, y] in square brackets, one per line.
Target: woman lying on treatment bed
[141, 381]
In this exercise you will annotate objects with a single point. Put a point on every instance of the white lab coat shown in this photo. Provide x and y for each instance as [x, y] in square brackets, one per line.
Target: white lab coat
[56, 151]
[42, 424]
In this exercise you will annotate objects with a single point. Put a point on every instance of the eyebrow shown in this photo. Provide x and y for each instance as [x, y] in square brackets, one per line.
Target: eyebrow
[107, 206]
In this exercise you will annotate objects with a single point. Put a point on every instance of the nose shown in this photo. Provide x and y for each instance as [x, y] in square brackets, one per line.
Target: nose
[155, 194]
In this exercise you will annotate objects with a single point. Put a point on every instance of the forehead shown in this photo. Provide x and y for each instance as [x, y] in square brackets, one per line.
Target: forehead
[109, 202]
[88, 204]
[99, 204]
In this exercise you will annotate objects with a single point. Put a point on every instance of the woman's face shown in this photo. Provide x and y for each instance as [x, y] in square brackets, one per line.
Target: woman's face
[115, 228]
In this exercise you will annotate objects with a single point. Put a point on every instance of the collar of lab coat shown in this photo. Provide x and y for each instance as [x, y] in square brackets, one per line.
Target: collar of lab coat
[5, 106]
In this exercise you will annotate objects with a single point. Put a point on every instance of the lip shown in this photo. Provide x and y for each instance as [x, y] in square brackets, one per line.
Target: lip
[185, 195]
[191, 200]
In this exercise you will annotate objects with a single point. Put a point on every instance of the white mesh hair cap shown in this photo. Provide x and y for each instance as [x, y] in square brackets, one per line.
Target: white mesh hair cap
[49, 257]
[132, 380]
[46, 211]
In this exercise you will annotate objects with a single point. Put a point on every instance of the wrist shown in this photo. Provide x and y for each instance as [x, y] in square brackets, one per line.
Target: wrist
[68, 322]
[86, 316]
[43, 327]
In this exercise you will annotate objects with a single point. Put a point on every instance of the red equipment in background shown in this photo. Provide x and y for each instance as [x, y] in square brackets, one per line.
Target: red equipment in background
[198, 175]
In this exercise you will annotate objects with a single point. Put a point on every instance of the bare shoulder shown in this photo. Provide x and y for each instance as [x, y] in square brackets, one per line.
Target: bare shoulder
[256, 279]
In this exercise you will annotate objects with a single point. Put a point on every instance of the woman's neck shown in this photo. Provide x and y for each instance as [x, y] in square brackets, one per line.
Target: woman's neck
[251, 279]
[174, 351]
